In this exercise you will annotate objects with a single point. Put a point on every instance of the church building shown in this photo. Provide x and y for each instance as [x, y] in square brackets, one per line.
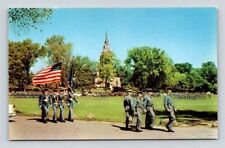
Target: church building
[113, 82]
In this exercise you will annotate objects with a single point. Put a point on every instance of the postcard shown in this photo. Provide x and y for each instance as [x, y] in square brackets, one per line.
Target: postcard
[112, 73]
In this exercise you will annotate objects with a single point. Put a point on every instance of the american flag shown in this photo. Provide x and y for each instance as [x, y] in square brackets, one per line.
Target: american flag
[48, 75]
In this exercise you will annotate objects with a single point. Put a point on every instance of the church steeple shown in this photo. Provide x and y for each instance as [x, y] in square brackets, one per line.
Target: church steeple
[106, 37]
[106, 43]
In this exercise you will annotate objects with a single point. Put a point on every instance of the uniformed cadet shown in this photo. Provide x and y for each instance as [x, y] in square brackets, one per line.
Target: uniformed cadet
[149, 107]
[170, 109]
[128, 108]
[70, 103]
[138, 111]
[54, 104]
[133, 110]
[61, 106]
[43, 104]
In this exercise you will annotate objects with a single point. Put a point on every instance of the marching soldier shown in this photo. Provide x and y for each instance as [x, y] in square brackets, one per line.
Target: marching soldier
[43, 104]
[133, 110]
[170, 109]
[70, 103]
[61, 106]
[127, 107]
[53, 103]
[150, 114]
[138, 112]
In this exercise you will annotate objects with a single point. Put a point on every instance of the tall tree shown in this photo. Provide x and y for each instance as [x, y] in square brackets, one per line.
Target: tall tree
[59, 51]
[184, 70]
[22, 55]
[195, 80]
[123, 72]
[106, 66]
[84, 72]
[28, 18]
[209, 72]
[151, 67]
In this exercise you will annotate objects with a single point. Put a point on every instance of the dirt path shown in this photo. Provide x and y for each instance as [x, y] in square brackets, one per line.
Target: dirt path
[30, 128]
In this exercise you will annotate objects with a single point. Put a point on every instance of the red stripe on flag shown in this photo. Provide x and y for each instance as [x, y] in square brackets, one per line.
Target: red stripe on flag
[46, 81]
[47, 76]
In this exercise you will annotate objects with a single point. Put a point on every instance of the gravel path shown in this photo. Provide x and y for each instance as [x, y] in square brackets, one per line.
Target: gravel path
[30, 128]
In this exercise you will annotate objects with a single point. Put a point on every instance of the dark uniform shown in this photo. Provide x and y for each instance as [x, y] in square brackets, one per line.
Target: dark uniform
[133, 108]
[169, 107]
[43, 103]
[128, 108]
[61, 107]
[53, 103]
[70, 103]
[150, 114]
[138, 111]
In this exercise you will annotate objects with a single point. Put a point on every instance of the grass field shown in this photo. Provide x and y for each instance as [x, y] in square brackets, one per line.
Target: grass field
[111, 108]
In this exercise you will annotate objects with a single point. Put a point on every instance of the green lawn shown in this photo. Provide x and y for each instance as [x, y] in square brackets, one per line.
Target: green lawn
[111, 108]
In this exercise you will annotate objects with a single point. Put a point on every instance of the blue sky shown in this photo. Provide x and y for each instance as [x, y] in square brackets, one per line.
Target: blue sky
[186, 34]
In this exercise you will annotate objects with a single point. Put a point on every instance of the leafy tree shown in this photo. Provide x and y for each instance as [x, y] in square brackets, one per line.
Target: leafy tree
[22, 55]
[176, 80]
[106, 66]
[195, 80]
[184, 70]
[209, 72]
[123, 72]
[151, 67]
[183, 67]
[27, 18]
[59, 51]
[84, 72]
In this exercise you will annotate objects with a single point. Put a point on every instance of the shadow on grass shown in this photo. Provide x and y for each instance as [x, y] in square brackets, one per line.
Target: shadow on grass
[192, 114]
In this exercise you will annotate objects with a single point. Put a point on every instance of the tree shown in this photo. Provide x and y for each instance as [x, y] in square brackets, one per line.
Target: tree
[123, 72]
[195, 81]
[209, 72]
[182, 70]
[151, 67]
[176, 80]
[183, 67]
[84, 72]
[27, 18]
[106, 66]
[59, 51]
[22, 55]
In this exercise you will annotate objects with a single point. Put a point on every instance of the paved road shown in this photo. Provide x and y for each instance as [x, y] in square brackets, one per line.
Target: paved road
[30, 128]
